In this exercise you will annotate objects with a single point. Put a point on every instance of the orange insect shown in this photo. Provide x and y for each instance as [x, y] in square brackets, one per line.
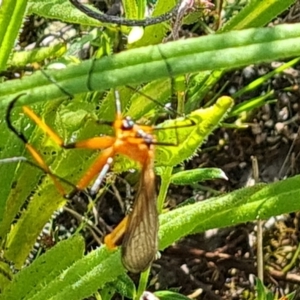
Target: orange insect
[139, 229]
[139, 245]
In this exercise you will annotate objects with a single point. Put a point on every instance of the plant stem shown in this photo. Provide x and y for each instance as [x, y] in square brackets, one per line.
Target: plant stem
[165, 182]
[142, 284]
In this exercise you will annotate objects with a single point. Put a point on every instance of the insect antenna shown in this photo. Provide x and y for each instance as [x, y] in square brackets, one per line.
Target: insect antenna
[121, 21]
[52, 80]
[34, 153]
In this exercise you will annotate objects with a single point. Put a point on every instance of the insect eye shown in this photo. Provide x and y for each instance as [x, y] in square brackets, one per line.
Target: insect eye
[127, 123]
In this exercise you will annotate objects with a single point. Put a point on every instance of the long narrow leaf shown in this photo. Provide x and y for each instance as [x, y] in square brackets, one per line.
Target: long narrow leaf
[11, 17]
[248, 204]
[232, 49]
[257, 13]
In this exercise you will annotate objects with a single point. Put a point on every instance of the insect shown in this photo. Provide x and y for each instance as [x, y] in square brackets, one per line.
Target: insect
[134, 141]
[139, 245]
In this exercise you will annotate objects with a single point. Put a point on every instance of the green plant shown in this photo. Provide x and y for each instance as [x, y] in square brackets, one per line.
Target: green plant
[76, 275]
[264, 294]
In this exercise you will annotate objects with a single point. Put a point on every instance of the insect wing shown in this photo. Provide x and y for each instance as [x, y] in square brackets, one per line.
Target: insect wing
[139, 245]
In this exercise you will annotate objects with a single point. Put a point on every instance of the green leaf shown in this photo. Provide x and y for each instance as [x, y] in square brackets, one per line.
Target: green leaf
[9, 148]
[11, 17]
[62, 10]
[250, 105]
[227, 50]
[36, 55]
[66, 12]
[187, 134]
[169, 295]
[131, 9]
[125, 286]
[196, 175]
[212, 213]
[15, 185]
[6, 275]
[20, 188]
[258, 202]
[263, 79]
[42, 206]
[156, 33]
[257, 13]
[30, 280]
[84, 277]
[260, 289]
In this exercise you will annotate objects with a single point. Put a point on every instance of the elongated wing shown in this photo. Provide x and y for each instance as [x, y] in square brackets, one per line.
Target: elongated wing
[140, 243]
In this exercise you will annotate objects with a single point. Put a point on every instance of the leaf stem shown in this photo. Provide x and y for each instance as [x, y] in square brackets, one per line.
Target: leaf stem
[165, 182]
[142, 284]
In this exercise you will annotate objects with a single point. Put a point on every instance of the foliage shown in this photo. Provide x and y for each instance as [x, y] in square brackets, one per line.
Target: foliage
[147, 65]
[264, 294]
